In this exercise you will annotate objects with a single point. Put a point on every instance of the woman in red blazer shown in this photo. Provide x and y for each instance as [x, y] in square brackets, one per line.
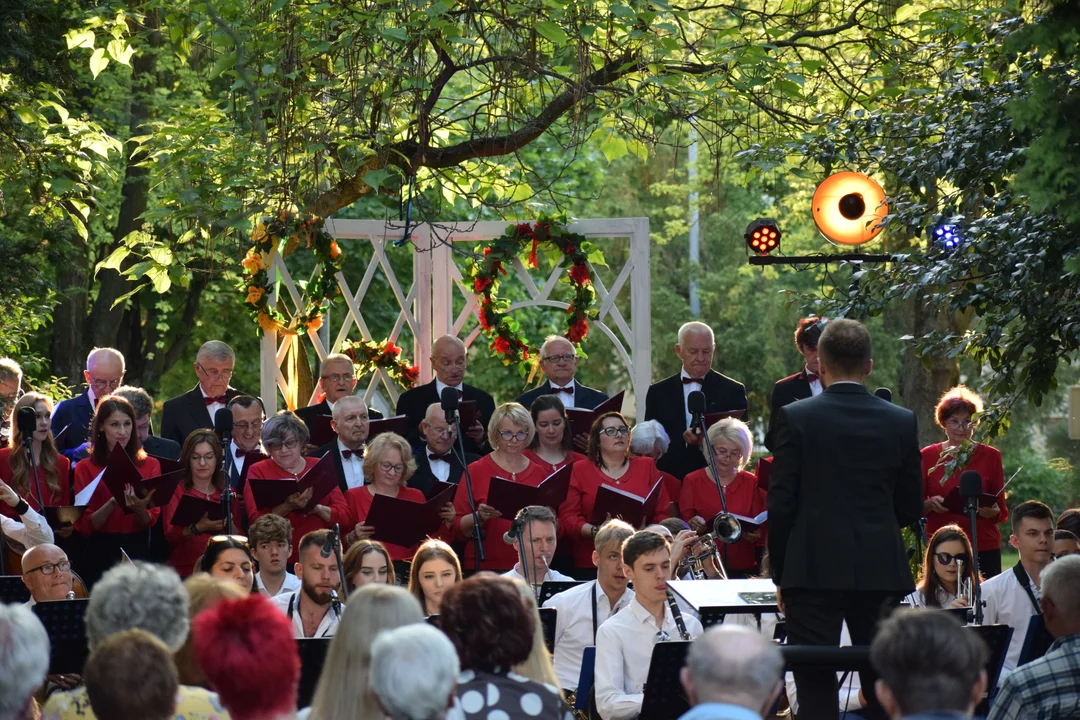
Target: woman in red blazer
[53, 469]
[552, 446]
[954, 415]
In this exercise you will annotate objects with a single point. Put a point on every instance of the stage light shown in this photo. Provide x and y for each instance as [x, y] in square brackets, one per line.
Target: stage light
[946, 237]
[849, 207]
[763, 236]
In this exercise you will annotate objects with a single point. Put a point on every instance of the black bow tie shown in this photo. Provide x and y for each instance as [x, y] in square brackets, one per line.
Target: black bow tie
[567, 390]
[688, 380]
[445, 457]
[349, 453]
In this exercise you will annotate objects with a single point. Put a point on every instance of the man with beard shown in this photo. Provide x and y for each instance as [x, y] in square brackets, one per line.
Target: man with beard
[351, 423]
[313, 611]
[539, 533]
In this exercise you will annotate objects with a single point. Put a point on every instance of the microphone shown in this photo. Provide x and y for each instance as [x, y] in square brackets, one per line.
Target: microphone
[884, 393]
[695, 403]
[449, 401]
[26, 420]
[331, 541]
[970, 486]
[223, 425]
[510, 536]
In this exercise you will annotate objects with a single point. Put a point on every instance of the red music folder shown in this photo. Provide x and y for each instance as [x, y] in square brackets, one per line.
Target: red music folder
[955, 504]
[394, 424]
[508, 497]
[121, 471]
[581, 420]
[322, 478]
[467, 413]
[764, 467]
[250, 459]
[406, 523]
[620, 503]
[190, 510]
[167, 465]
[321, 431]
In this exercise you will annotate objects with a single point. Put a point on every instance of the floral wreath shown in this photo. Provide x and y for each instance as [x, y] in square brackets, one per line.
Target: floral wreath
[369, 356]
[523, 240]
[285, 234]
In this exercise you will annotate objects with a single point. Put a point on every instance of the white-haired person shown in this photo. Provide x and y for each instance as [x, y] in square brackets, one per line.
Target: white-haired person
[413, 673]
[731, 443]
[731, 673]
[559, 361]
[184, 414]
[24, 660]
[650, 439]
[104, 373]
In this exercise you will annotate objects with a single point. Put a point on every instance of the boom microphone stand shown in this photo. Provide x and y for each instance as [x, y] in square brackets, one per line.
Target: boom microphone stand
[695, 402]
[26, 419]
[449, 400]
[223, 423]
[971, 491]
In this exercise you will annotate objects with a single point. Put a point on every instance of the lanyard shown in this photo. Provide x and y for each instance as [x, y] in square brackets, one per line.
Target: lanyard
[1025, 582]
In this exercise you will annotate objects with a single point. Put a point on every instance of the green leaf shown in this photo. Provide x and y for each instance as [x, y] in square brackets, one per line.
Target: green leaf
[552, 32]
[28, 115]
[120, 51]
[98, 61]
[375, 178]
[162, 256]
[160, 277]
[114, 261]
[395, 33]
[60, 110]
[613, 148]
[79, 38]
[80, 226]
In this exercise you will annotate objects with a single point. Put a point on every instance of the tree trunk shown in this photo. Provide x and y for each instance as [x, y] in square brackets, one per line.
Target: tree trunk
[68, 345]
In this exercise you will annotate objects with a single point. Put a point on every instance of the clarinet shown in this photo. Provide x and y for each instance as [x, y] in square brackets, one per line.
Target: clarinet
[677, 615]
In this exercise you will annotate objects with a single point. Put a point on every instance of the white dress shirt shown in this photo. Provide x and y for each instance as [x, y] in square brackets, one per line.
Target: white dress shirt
[624, 647]
[917, 599]
[439, 468]
[288, 603]
[290, 584]
[353, 466]
[551, 576]
[574, 626]
[29, 531]
[687, 388]
[566, 398]
[439, 385]
[1008, 604]
[212, 408]
[815, 385]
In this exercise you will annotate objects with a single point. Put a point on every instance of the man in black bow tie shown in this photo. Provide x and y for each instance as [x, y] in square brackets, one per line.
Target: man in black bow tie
[195, 409]
[436, 461]
[351, 424]
[559, 361]
[803, 384]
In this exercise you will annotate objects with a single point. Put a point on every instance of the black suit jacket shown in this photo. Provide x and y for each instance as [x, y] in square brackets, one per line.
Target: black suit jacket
[75, 415]
[423, 479]
[162, 447]
[790, 389]
[413, 404]
[585, 398]
[184, 414]
[664, 402]
[846, 477]
[332, 448]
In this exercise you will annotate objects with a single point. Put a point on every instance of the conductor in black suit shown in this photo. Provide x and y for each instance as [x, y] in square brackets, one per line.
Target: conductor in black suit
[558, 360]
[846, 477]
[449, 360]
[337, 379]
[436, 461]
[804, 384]
[351, 426]
[195, 409]
[666, 400]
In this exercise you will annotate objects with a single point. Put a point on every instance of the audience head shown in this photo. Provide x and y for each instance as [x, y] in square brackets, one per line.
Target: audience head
[609, 435]
[1033, 532]
[1070, 520]
[317, 575]
[558, 360]
[131, 676]
[552, 425]
[537, 666]
[201, 459]
[350, 421]
[928, 663]
[647, 564]
[24, 660]
[538, 532]
[10, 385]
[139, 596]
[46, 572]
[449, 360]
[214, 364]
[439, 435]
[343, 686]
[114, 424]
[1065, 544]
[247, 650]
[228, 557]
[1061, 596]
[844, 351]
[367, 561]
[674, 526]
[414, 672]
[389, 461]
[807, 335]
[270, 539]
[954, 412]
[248, 415]
[337, 377]
[204, 592]
[607, 555]
[649, 439]
[511, 428]
[18, 460]
[695, 348]
[284, 436]
[488, 623]
[662, 530]
[948, 554]
[732, 443]
[143, 405]
[733, 665]
[435, 568]
[104, 371]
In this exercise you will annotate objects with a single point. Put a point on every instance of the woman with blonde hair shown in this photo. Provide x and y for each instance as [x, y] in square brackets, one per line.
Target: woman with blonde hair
[53, 469]
[435, 568]
[204, 592]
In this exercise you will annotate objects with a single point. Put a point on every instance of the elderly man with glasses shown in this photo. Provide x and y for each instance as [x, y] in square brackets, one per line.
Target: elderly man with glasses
[104, 373]
[337, 380]
[559, 361]
[195, 409]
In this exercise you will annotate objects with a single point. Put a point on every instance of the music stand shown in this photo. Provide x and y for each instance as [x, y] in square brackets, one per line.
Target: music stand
[13, 590]
[997, 638]
[1037, 641]
[714, 600]
[551, 588]
[665, 698]
[547, 620]
[65, 622]
[312, 653]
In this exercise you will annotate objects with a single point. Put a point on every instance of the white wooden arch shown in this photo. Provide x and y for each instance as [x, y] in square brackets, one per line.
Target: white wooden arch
[426, 304]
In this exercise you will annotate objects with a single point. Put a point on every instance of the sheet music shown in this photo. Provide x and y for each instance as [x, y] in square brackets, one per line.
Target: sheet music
[83, 498]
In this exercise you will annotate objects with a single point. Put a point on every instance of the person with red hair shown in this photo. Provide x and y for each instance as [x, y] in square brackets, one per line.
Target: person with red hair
[247, 651]
[954, 414]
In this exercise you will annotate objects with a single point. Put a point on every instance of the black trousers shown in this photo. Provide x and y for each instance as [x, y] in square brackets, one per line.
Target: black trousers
[990, 563]
[815, 617]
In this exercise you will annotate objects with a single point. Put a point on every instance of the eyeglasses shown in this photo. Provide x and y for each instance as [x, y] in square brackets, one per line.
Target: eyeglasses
[286, 445]
[244, 427]
[955, 424]
[100, 385]
[508, 436]
[613, 431]
[50, 568]
[946, 559]
[437, 432]
[392, 468]
[727, 454]
[209, 459]
[568, 357]
[337, 377]
[215, 374]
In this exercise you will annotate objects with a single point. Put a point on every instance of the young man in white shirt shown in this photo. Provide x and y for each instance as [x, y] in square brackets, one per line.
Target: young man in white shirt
[624, 644]
[1012, 597]
[584, 608]
[271, 541]
[539, 530]
[313, 609]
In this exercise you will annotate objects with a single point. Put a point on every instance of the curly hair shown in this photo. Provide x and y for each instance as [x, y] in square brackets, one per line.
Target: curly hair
[488, 623]
[956, 400]
[377, 449]
[138, 595]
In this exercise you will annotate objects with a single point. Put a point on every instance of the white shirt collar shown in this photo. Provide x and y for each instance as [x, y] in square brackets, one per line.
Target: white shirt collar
[329, 404]
[683, 373]
[358, 454]
[567, 385]
[440, 385]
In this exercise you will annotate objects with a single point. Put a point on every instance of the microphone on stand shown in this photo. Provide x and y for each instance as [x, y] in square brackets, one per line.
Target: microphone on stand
[884, 393]
[26, 420]
[332, 546]
[449, 401]
[223, 426]
[971, 490]
[331, 540]
[511, 536]
[695, 403]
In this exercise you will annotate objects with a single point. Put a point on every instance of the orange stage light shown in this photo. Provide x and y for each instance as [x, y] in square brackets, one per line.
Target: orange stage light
[849, 207]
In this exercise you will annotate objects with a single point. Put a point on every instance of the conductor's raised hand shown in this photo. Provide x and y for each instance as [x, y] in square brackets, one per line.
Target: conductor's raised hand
[8, 494]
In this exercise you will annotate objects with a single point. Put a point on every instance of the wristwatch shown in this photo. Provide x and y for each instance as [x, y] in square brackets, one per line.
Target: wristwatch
[193, 529]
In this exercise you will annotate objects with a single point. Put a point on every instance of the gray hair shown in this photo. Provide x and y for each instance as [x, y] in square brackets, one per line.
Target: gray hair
[735, 431]
[413, 672]
[734, 664]
[24, 658]
[552, 339]
[695, 327]
[10, 370]
[215, 350]
[1061, 583]
[434, 412]
[646, 436]
[342, 405]
[280, 427]
[140, 400]
[138, 595]
[93, 355]
[334, 357]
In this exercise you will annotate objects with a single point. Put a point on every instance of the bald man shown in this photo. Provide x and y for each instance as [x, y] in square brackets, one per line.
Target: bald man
[46, 573]
[104, 373]
[436, 462]
[449, 360]
[732, 672]
[337, 380]
[351, 425]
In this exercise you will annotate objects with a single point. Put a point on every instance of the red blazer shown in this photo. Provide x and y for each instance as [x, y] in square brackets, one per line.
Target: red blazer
[585, 481]
[302, 523]
[987, 462]
[571, 458]
[52, 499]
[186, 550]
[673, 485]
[118, 522]
[359, 500]
[744, 497]
[497, 554]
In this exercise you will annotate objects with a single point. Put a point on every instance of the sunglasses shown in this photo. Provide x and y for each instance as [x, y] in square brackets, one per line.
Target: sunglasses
[946, 559]
[218, 539]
